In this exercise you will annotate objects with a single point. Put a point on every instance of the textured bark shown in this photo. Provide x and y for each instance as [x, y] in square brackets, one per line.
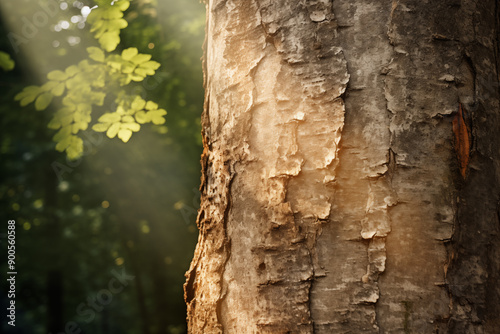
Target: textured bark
[335, 195]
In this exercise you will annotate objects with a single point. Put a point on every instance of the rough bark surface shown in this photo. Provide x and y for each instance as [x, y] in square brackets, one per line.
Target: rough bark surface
[335, 197]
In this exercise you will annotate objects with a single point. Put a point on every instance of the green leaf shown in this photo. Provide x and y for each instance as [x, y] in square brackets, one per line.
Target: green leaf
[69, 103]
[75, 150]
[138, 103]
[128, 68]
[43, 101]
[113, 130]
[151, 105]
[73, 83]
[114, 63]
[59, 89]
[109, 40]
[84, 65]
[129, 53]
[95, 15]
[158, 120]
[122, 5]
[125, 134]
[131, 126]
[66, 110]
[49, 85]
[101, 127]
[66, 120]
[61, 134]
[27, 100]
[125, 80]
[54, 124]
[143, 72]
[157, 113]
[72, 70]
[99, 82]
[121, 111]
[79, 126]
[57, 75]
[63, 144]
[140, 58]
[96, 22]
[141, 117]
[136, 77]
[96, 54]
[6, 62]
[84, 108]
[77, 117]
[112, 13]
[110, 118]
[127, 119]
[118, 24]
[147, 68]
[157, 116]
[153, 65]
[30, 93]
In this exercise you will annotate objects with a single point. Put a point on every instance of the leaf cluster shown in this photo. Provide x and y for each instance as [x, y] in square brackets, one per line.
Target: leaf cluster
[85, 86]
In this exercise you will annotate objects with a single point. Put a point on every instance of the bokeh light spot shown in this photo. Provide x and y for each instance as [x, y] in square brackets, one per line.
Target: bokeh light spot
[38, 204]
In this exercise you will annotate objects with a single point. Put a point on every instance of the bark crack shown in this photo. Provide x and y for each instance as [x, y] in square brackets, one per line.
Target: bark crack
[391, 157]
[227, 247]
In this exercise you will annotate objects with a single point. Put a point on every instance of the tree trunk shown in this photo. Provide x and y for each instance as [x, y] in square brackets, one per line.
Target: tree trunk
[350, 172]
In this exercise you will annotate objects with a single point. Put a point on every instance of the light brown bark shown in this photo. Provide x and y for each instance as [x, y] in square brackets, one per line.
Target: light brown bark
[333, 198]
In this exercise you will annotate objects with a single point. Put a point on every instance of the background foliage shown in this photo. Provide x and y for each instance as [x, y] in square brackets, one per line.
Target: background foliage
[121, 206]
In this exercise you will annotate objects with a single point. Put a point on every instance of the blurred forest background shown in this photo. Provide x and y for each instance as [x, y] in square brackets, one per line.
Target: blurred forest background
[124, 207]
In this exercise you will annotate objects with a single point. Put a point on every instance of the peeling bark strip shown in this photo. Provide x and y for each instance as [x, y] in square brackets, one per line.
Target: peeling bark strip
[331, 198]
[462, 140]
